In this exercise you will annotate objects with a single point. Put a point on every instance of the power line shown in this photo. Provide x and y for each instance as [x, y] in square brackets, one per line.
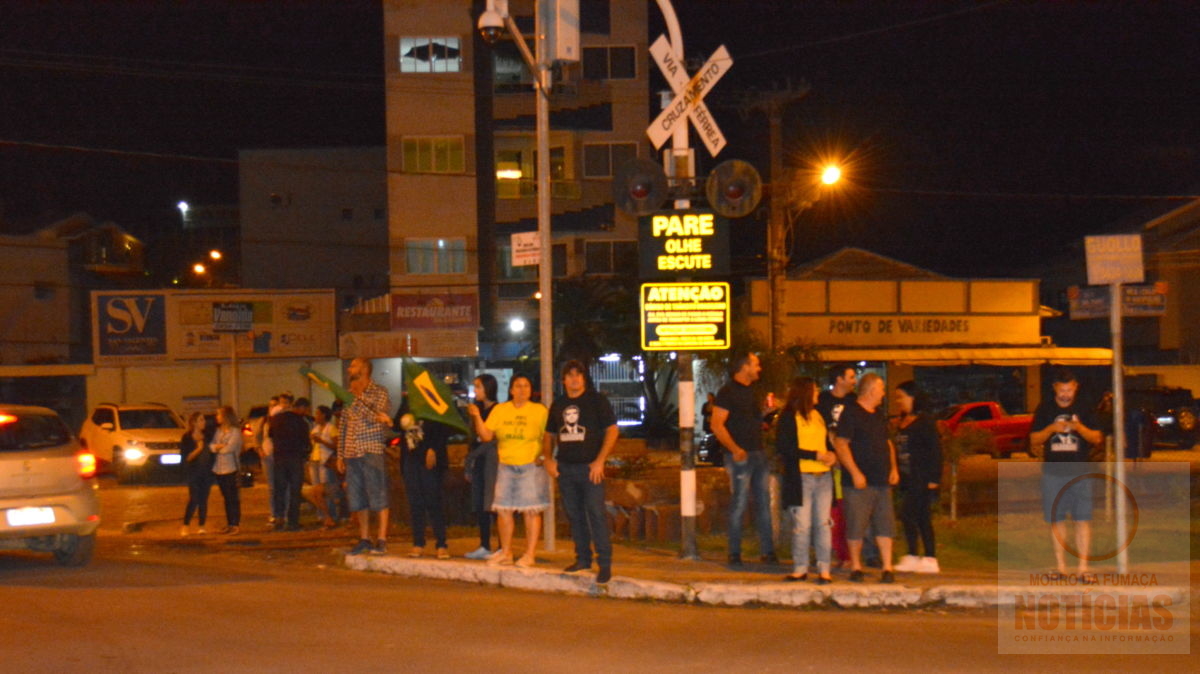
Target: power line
[872, 31]
[1038, 195]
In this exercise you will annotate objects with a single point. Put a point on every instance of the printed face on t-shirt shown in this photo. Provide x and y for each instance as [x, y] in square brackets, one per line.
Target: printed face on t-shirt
[1064, 442]
[571, 431]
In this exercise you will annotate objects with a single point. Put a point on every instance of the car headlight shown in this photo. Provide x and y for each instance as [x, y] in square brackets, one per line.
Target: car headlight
[1165, 421]
[133, 454]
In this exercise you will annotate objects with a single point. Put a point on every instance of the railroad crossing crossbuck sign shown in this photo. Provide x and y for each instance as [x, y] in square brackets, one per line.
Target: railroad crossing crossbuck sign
[689, 96]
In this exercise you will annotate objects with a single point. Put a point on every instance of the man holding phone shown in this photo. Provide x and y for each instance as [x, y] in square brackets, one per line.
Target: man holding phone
[1066, 431]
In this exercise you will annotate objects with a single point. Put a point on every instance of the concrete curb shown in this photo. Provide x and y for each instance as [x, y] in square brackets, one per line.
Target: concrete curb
[791, 595]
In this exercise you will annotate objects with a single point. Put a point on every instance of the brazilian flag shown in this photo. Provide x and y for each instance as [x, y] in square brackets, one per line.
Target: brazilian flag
[430, 398]
[328, 384]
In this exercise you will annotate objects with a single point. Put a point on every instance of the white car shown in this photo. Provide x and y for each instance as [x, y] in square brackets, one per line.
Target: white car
[47, 486]
[134, 439]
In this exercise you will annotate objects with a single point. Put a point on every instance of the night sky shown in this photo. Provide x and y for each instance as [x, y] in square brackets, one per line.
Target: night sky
[983, 138]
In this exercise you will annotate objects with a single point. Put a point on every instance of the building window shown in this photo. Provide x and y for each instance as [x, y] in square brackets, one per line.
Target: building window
[430, 55]
[609, 63]
[509, 72]
[594, 16]
[603, 160]
[558, 260]
[611, 257]
[433, 154]
[435, 256]
[507, 272]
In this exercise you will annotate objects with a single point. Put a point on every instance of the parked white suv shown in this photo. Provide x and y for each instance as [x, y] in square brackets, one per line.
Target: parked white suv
[47, 486]
[133, 439]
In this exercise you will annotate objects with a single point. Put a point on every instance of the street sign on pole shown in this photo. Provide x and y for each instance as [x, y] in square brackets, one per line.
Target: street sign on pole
[689, 96]
[232, 316]
[526, 249]
[1114, 259]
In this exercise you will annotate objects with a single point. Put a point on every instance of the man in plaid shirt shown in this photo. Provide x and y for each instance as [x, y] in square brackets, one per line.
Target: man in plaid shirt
[363, 435]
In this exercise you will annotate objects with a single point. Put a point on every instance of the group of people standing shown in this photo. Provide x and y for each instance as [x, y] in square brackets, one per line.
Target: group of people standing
[292, 444]
[569, 442]
[212, 455]
[841, 457]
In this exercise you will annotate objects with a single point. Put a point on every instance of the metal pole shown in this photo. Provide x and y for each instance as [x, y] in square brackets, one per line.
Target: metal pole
[1116, 300]
[681, 169]
[687, 459]
[545, 264]
[233, 375]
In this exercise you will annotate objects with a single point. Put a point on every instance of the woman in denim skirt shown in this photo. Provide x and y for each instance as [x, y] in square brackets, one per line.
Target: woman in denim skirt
[521, 483]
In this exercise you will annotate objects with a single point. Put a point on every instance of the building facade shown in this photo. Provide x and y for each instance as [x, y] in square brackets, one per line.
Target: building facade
[314, 218]
[461, 158]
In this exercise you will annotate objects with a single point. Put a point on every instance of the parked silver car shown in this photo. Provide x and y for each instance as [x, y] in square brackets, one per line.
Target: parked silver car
[48, 497]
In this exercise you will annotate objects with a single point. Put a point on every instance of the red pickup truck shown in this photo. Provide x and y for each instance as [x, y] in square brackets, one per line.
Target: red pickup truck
[1011, 433]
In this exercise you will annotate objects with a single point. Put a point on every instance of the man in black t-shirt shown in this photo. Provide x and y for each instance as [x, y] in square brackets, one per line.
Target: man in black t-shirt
[869, 470]
[584, 427]
[1065, 432]
[737, 425]
[843, 378]
[288, 431]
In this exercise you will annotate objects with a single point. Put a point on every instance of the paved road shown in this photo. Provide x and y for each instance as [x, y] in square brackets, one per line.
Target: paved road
[159, 609]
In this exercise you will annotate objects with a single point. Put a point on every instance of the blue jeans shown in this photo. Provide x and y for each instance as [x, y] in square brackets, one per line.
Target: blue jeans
[811, 523]
[584, 502]
[751, 475]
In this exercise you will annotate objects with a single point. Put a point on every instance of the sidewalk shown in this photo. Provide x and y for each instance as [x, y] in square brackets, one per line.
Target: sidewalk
[639, 572]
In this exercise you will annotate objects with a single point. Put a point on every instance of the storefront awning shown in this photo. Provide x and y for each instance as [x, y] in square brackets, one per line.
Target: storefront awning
[941, 356]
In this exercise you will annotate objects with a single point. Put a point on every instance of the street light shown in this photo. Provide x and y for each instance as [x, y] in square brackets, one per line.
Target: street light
[199, 269]
[214, 255]
[807, 192]
[492, 23]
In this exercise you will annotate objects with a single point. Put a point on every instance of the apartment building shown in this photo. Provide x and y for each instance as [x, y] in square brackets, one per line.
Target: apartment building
[461, 163]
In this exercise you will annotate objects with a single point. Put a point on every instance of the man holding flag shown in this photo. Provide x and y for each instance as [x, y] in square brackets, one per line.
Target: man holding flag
[426, 420]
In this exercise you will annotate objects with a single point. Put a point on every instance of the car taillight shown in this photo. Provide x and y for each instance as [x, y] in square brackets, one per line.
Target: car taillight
[87, 464]
[6, 419]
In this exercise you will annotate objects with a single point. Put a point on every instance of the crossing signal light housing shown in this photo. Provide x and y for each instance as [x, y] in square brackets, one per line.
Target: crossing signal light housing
[734, 188]
[640, 187]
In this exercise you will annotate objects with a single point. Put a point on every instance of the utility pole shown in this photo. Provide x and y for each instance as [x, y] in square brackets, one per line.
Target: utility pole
[773, 103]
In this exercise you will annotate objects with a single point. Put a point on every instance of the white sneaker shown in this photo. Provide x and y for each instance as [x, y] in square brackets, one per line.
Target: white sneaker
[908, 563]
[202, 531]
[478, 553]
[183, 531]
[928, 565]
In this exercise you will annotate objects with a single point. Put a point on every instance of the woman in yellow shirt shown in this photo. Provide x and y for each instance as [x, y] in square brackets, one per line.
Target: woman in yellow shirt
[807, 478]
[521, 483]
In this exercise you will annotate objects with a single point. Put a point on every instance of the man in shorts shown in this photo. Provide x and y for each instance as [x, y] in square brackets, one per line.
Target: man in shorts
[363, 434]
[1065, 431]
[868, 459]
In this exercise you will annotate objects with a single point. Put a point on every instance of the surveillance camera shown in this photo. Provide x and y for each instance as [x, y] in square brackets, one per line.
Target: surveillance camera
[491, 26]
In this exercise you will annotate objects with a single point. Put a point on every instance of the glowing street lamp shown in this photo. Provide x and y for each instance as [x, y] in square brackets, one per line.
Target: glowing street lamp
[199, 269]
[831, 174]
[215, 255]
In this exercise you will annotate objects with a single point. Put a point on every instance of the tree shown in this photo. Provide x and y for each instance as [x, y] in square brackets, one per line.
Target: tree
[966, 440]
